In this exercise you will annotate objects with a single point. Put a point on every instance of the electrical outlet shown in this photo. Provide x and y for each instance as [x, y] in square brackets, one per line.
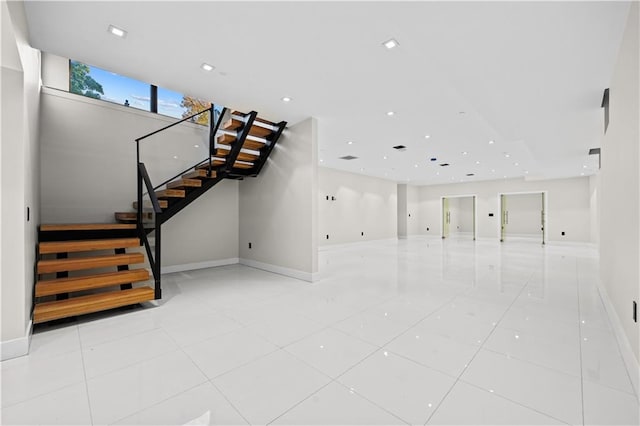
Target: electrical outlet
[362, 234]
[327, 236]
[327, 198]
[563, 233]
[635, 311]
[28, 214]
[249, 245]
[427, 229]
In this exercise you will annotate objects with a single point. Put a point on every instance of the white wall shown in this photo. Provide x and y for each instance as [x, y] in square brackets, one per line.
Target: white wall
[402, 214]
[620, 184]
[88, 172]
[279, 209]
[362, 204]
[19, 177]
[524, 215]
[568, 205]
[414, 224]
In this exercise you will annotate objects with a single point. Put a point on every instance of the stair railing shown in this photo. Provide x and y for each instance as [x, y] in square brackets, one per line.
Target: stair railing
[143, 178]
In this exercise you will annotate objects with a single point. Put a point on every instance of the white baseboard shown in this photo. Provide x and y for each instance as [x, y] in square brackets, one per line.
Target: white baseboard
[16, 347]
[293, 273]
[356, 243]
[633, 368]
[198, 265]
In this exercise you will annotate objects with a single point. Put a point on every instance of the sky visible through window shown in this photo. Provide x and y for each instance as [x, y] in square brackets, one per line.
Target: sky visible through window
[108, 86]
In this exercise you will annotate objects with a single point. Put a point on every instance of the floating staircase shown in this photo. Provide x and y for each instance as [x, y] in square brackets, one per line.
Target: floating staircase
[85, 268]
[94, 248]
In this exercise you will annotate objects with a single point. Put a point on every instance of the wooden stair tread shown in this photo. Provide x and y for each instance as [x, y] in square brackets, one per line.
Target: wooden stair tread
[200, 173]
[79, 263]
[89, 282]
[87, 245]
[147, 204]
[244, 156]
[236, 165]
[170, 193]
[262, 120]
[259, 131]
[184, 183]
[49, 311]
[85, 226]
[248, 143]
[132, 216]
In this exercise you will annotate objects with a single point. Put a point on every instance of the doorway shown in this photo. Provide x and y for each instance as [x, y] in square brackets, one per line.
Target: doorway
[459, 216]
[523, 216]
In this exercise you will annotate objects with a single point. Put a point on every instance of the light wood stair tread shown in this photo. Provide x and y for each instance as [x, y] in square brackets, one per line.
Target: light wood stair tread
[49, 311]
[86, 226]
[147, 204]
[248, 143]
[184, 183]
[89, 282]
[79, 263]
[132, 216]
[170, 193]
[259, 131]
[87, 245]
[200, 173]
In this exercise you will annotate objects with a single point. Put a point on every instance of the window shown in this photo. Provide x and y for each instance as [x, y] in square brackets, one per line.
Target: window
[108, 86]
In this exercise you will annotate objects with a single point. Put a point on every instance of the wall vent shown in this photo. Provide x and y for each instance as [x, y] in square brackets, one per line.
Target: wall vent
[348, 157]
[470, 174]
[444, 164]
[400, 147]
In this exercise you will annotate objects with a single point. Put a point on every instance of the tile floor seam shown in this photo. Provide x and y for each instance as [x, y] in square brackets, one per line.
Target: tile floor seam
[526, 361]
[580, 340]
[237, 410]
[155, 356]
[633, 388]
[299, 402]
[118, 338]
[476, 353]
[499, 395]
[84, 372]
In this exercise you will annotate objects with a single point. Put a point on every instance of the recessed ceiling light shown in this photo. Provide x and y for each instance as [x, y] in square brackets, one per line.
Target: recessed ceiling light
[464, 152]
[415, 165]
[506, 154]
[437, 173]
[491, 142]
[584, 166]
[391, 43]
[427, 136]
[384, 158]
[526, 172]
[477, 162]
[362, 169]
[581, 174]
[118, 32]
[349, 142]
[504, 176]
[321, 160]
[207, 67]
[493, 170]
[453, 178]
[390, 113]
[175, 157]
[196, 146]
[516, 164]
[286, 99]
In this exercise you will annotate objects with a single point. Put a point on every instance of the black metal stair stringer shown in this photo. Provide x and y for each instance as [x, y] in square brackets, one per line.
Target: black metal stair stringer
[190, 196]
[237, 145]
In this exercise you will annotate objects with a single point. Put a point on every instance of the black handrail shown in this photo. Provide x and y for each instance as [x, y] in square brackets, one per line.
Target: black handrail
[155, 260]
[178, 122]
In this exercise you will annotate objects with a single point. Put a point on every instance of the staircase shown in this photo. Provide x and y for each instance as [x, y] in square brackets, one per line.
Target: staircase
[85, 268]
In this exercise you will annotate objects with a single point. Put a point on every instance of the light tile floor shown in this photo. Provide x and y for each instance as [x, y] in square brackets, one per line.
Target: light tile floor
[419, 331]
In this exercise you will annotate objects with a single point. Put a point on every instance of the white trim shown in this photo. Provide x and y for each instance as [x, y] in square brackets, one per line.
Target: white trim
[293, 273]
[356, 243]
[16, 347]
[630, 361]
[198, 265]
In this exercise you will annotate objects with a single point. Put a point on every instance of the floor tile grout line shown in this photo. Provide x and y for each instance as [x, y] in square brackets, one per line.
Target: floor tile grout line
[237, 410]
[612, 331]
[84, 372]
[499, 395]
[478, 351]
[580, 341]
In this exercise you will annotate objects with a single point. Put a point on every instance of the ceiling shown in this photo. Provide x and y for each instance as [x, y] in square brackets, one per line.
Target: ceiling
[527, 75]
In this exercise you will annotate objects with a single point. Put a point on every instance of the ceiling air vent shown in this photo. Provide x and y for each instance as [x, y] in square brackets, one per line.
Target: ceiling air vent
[348, 157]
[400, 147]
[444, 164]
[470, 174]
